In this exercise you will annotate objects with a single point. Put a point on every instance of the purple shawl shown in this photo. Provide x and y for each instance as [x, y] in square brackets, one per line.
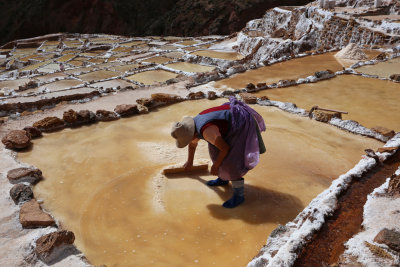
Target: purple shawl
[242, 139]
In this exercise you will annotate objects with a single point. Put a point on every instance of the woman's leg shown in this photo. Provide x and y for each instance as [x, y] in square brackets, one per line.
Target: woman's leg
[238, 194]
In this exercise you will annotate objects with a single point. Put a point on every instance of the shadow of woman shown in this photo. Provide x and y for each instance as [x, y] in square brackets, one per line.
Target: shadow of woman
[261, 205]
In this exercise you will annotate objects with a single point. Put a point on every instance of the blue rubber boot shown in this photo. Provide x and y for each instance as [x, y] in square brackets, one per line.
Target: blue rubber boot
[238, 195]
[217, 182]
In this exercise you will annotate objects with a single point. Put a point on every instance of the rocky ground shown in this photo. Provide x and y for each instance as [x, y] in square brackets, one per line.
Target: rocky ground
[100, 73]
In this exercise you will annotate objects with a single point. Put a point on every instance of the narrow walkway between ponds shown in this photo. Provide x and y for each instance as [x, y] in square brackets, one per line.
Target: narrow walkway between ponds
[328, 243]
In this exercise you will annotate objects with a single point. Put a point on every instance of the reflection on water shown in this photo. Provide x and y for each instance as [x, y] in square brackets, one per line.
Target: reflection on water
[103, 182]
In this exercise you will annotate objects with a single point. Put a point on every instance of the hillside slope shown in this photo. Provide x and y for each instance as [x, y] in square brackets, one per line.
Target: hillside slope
[26, 18]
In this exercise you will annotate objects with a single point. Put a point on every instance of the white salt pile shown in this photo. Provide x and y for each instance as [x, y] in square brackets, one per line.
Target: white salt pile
[351, 51]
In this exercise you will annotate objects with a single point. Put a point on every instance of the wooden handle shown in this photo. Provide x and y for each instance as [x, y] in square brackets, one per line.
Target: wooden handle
[203, 167]
[333, 110]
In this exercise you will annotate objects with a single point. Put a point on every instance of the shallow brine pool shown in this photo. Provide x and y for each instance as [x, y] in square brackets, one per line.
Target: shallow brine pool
[371, 102]
[104, 183]
[287, 70]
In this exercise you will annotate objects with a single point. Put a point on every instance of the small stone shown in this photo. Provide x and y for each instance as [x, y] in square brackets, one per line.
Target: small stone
[126, 110]
[166, 98]
[70, 116]
[212, 95]
[394, 185]
[28, 85]
[32, 216]
[33, 131]
[261, 85]
[17, 139]
[391, 238]
[285, 83]
[325, 116]
[371, 153]
[250, 86]
[382, 56]
[105, 115]
[49, 124]
[384, 131]
[171, 81]
[326, 74]
[248, 98]
[228, 93]
[143, 109]
[49, 247]
[395, 77]
[196, 95]
[387, 149]
[20, 175]
[20, 193]
[86, 117]
[147, 102]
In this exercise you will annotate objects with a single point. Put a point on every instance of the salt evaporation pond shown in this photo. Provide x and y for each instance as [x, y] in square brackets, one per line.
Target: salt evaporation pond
[382, 69]
[152, 76]
[189, 67]
[287, 70]
[371, 102]
[98, 75]
[158, 60]
[219, 54]
[103, 182]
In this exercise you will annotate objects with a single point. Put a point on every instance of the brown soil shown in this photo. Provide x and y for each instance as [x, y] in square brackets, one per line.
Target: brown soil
[328, 243]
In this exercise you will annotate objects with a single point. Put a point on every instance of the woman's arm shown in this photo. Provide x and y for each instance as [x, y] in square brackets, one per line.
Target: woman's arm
[212, 135]
[191, 150]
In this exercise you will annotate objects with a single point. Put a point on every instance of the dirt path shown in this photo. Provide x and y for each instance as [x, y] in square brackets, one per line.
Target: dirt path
[328, 243]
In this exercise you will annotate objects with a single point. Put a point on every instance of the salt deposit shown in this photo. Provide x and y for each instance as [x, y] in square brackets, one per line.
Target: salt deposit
[377, 206]
[352, 51]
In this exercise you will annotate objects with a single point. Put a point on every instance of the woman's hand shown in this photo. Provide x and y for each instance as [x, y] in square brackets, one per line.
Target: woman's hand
[214, 170]
[188, 165]
[191, 150]
[213, 136]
